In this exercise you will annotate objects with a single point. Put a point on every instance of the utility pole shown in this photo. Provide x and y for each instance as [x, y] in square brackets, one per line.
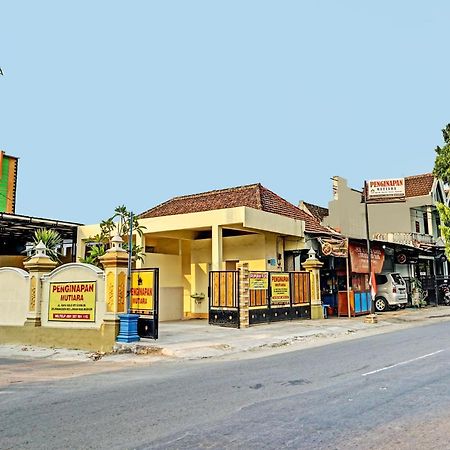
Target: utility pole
[372, 318]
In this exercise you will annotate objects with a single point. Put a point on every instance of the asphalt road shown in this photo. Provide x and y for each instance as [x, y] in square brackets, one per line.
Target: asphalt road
[385, 391]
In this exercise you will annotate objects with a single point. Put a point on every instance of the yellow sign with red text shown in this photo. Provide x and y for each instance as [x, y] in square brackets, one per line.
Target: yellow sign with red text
[72, 302]
[142, 291]
[280, 287]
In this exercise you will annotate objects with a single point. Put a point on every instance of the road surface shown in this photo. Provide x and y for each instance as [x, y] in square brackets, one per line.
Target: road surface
[384, 391]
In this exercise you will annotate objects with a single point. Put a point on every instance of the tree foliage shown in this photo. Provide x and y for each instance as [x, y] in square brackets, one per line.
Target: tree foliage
[52, 241]
[118, 223]
[442, 162]
[442, 171]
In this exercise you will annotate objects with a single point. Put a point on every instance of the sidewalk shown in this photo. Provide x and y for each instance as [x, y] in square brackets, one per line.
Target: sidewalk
[195, 339]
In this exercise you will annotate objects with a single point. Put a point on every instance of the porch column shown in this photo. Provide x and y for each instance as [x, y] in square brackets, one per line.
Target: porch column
[244, 295]
[313, 265]
[430, 221]
[39, 265]
[217, 247]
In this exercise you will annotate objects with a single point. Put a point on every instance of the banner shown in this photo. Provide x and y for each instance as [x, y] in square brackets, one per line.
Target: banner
[280, 288]
[72, 302]
[332, 246]
[142, 291]
[360, 262]
[259, 281]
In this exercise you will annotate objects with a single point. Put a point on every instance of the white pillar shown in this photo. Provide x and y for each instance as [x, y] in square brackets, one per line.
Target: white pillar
[430, 221]
[216, 247]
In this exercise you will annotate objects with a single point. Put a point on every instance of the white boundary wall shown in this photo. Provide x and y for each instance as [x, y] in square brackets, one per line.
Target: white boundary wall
[14, 295]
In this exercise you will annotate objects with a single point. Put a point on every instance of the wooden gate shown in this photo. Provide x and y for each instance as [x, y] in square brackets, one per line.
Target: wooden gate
[276, 296]
[223, 294]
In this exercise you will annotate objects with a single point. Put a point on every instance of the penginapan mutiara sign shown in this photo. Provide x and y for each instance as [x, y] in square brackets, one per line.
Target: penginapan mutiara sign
[386, 189]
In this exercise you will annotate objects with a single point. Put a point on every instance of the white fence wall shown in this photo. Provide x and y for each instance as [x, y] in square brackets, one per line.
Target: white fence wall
[14, 295]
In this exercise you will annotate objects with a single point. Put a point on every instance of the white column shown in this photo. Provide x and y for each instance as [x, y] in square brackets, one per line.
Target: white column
[430, 221]
[216, 247]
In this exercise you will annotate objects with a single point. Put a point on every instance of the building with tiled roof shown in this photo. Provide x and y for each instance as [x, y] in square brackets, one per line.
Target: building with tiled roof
[406, 228]
[414, 213]
[419, 185]
[318, 212]
[415, 186]
[253, 196]
[190, 236]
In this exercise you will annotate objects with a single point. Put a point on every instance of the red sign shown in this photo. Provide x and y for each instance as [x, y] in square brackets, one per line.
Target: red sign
[360, 261]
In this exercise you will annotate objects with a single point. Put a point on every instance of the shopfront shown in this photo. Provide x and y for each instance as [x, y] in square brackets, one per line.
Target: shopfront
[345, 275]
[359, 298]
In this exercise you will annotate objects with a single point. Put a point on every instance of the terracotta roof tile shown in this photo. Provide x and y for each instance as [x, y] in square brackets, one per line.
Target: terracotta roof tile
[415, 186]
[316, 211]
[252, 196]
[419, 185]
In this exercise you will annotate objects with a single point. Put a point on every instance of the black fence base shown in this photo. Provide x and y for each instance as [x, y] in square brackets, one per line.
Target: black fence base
[224, 318]
[147, 328]
[265, 315]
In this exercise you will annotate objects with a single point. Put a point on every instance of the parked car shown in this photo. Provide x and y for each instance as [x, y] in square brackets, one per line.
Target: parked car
[391, 291]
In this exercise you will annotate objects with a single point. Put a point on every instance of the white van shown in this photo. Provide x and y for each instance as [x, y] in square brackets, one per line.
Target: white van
[391, 291]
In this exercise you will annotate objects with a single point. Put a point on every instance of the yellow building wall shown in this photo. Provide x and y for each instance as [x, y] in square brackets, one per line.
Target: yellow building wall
[253, 249]
[187, 277]
[165, 246]
[188, 273]
[171, 284]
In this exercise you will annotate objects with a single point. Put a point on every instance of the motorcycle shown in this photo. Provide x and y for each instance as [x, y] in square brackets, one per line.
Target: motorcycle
[445, 294]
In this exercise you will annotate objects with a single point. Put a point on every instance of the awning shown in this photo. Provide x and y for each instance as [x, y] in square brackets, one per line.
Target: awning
[18, 229]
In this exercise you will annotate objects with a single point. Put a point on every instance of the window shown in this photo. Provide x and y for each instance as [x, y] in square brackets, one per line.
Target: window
[425, 223]
[417, 226]
[381, 279]
[397, 278]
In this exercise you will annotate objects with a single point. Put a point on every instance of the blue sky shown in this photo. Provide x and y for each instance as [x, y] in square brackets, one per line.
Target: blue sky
[135, 102]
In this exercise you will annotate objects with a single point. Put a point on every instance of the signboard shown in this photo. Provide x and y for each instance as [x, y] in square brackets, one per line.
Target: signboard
[360, 261]
[401, 258]
[8, 182]
[142, 291]
[259, 281]
[72, 302]
[386, 189]
[280, 288]
[334, 247]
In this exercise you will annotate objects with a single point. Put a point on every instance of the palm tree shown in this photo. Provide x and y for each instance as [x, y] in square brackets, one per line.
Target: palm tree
[52, 240]
[119, 224]
[94, 254]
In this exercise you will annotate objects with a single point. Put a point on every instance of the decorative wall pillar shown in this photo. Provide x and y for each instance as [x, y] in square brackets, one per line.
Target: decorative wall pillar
[217, 247]
[115, 263]
[244, 295]
[39, 265]
[313, 265]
